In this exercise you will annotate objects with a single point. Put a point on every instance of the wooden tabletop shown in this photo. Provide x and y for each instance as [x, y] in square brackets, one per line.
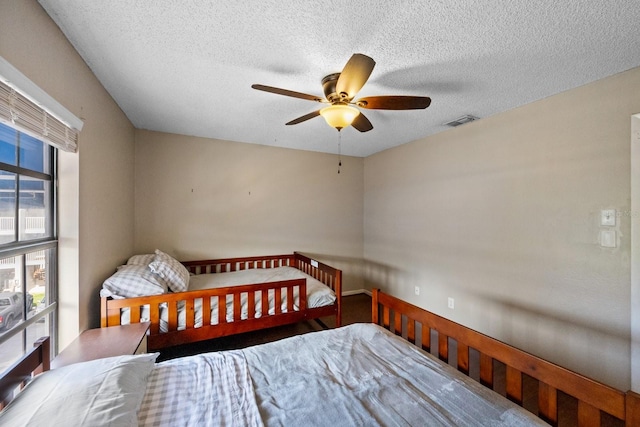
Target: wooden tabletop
[102, 342]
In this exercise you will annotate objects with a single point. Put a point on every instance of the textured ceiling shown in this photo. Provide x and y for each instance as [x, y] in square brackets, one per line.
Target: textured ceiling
[186, 66]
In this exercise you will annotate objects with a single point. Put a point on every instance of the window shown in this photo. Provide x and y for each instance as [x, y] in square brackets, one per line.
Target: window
[28, 242]
[33, 127]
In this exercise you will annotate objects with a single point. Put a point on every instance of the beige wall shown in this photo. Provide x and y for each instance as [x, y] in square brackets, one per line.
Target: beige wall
[95, 185]
[635, 253]
[202, 198]
[503, 215]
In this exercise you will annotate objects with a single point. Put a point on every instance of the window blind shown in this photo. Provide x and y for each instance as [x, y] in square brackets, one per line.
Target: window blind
[26, 116]
[26, 107]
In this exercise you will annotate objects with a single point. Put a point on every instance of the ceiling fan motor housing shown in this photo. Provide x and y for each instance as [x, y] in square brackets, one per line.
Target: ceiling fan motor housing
[329, 87]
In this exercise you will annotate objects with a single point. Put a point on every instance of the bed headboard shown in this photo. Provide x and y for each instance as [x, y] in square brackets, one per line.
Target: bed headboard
[37, 360]
[593, 398]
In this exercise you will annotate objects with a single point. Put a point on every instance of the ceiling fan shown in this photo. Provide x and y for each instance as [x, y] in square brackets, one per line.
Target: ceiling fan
[340, 90]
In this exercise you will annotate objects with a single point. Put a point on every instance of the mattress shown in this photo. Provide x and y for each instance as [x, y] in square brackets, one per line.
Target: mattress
[318, 295]
[355, 375]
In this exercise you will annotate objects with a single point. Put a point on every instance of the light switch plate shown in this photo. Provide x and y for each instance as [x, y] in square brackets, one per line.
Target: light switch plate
[608, 217]
[608, 238]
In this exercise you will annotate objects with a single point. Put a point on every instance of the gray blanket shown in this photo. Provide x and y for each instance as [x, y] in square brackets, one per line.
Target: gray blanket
[362, 375]
[357, 375]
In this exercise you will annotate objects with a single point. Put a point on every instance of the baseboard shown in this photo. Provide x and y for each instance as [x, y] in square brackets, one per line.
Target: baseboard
[356, 292]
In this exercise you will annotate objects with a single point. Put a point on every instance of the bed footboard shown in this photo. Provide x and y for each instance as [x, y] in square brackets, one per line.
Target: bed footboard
[594, 400]
[330, 276]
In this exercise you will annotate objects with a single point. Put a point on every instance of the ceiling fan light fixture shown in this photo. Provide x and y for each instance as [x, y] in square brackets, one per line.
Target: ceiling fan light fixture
[339, 115]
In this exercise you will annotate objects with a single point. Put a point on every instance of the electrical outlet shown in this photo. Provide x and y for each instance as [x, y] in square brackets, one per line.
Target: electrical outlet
[417, 290]
[450, 303]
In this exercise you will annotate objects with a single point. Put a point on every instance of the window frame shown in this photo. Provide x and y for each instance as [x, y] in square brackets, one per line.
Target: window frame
[18, 248]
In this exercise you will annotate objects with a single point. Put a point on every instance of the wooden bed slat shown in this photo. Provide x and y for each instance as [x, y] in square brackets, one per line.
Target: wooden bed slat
[222, 309]
[237, 308]
[251, 305]
[426, 338]
[206, 310]
[302, 297]
[265, 301]
[463, 358]
[486, 370]
[514, 385]
[135, 314]
[397, 323]
[278, 301]
[154, 318]
[290, 299]
[411, 331]
[172, 323]
[190, 313]
[593, 397]
[588, 416]
[443, 347]
[548, 403]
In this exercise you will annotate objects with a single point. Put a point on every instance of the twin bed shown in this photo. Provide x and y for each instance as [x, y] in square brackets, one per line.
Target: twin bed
[383, 373]
[219, 297]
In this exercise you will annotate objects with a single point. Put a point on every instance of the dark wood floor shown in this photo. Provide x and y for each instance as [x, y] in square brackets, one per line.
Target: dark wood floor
[355, 309]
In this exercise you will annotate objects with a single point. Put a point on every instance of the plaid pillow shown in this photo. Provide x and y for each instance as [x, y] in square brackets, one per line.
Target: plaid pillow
[144, 259]
[134, 281]
[171, 270]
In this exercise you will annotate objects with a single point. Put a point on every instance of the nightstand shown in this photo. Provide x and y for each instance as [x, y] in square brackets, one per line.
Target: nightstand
[104, 342]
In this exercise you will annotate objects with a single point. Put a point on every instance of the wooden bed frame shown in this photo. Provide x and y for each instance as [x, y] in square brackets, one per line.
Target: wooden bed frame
[332, 277]
[594, 400]
[453, 343]
[36, 361]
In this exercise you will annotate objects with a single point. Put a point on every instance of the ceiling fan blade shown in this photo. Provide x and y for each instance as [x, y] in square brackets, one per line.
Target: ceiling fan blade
[304, 118]
[286, 92]
[394, 102]
[354, 75]
[362, 123]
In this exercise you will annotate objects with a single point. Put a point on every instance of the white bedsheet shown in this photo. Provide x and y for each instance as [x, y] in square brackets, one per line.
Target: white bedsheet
[352, 376]
[318, 295]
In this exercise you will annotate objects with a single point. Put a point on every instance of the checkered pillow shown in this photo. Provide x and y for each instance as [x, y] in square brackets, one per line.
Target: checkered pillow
[171, 270]
[133, 281]
[144, 259]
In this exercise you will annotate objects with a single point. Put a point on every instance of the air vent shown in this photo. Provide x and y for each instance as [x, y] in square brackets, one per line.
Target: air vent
[461, 120]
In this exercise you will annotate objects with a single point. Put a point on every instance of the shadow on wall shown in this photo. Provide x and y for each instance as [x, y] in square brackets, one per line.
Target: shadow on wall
[400, 282]
[352, 277]
[387, 278]
[596, 349]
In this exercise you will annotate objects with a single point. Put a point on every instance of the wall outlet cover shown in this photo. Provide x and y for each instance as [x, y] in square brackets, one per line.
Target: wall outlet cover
[608, 238]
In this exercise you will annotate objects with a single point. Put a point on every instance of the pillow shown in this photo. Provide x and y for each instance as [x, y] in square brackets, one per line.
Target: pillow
[134, 281]
[171, 270]
[144, 259]
[97, 393]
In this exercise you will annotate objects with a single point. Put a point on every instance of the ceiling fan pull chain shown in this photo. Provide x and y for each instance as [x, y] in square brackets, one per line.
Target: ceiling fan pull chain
[339, 150]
